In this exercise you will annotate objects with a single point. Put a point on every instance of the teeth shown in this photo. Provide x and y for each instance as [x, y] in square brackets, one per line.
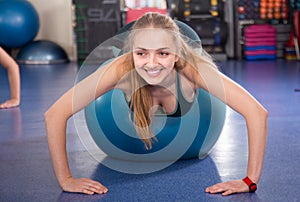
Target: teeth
[153, 71]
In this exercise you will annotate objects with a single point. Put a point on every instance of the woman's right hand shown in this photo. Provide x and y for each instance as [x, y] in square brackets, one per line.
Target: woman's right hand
[56, 118]
[83, 185]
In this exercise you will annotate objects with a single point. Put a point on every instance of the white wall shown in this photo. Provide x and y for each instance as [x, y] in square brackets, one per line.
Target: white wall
[56, 23]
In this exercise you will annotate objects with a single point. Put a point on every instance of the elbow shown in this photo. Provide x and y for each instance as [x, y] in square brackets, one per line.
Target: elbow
[263, 112]
[54, 116]
[261, 115]
[47, 116]
[257, 112]
[47, 119]
[15, 66]
[51, 122]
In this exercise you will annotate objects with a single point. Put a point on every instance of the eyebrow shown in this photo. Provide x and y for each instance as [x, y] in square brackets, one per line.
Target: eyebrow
[160, 49]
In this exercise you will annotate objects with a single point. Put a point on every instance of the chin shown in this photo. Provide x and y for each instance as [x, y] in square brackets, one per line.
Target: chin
[153, 83]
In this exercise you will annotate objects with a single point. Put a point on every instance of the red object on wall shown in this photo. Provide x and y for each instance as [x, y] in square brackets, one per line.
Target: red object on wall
[134, 14]
[297, 24]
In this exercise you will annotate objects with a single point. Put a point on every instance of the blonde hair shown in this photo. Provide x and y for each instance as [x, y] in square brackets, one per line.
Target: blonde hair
[141, 101]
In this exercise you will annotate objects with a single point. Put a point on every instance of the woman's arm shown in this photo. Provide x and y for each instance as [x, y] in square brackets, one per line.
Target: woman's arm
[14, 79]
[255, 115]
[56, 118]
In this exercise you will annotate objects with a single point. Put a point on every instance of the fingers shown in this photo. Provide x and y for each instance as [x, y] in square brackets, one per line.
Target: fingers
[218, 188]
[84, 185]
[228, 188]
[95, 187]
[9, 104]
[228, 192]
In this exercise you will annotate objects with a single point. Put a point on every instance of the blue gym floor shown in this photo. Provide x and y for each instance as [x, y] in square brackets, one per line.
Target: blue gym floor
[26, 172]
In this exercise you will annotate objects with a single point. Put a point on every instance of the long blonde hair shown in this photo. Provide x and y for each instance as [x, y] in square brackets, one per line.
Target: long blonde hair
[141, 101]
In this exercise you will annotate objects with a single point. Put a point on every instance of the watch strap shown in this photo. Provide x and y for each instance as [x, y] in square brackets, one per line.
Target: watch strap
[252, 186]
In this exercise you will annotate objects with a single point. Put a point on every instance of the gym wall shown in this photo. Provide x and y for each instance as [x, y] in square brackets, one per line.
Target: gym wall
[56, 23]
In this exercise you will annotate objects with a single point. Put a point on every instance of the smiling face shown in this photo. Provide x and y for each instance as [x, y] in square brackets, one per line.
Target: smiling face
[154, 55]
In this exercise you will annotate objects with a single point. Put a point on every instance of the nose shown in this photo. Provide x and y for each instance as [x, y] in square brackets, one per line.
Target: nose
[152, 60]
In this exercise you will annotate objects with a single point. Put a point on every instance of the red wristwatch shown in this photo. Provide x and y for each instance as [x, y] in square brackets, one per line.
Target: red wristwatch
[252, 186]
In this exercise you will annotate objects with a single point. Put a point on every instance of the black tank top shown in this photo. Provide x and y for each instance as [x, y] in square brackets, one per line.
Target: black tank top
[183, 106]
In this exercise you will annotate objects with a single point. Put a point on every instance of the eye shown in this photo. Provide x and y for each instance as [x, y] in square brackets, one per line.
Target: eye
[163, 53]
[140, 53]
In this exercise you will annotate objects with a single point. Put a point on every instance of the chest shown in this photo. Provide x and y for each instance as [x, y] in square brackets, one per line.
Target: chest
[165, 102]
[168, 100]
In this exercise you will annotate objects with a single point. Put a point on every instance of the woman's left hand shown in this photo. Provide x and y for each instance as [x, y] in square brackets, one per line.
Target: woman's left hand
[227, 188]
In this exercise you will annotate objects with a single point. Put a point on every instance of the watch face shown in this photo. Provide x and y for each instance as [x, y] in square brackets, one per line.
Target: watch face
[252, 187]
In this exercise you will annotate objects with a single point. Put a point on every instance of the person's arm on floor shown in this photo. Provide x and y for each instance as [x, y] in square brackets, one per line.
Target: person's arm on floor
[56, 118]
[256, 117]
[14, 79]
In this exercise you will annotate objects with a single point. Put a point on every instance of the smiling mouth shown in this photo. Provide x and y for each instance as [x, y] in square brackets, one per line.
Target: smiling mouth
[153, 72]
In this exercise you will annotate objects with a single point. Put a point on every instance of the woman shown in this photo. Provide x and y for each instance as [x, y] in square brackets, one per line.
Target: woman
[147, 75]
[14, 80]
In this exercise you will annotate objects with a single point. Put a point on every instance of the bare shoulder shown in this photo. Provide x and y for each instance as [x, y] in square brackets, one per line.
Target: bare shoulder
[113, 75]
[190, 76]
[203, 75]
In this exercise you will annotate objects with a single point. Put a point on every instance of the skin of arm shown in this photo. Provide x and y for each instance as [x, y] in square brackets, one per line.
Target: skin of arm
[14, 79]
[256, 117]
[56, 117]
